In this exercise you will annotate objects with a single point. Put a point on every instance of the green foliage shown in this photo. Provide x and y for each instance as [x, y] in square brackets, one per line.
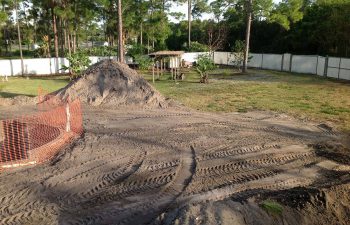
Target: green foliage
[238, 53]
[135, 50]
[198, 47]
[287, 13]
[272, 207]
[3, 18]
[78, 62]
[204, 64]
[100, 51]
[144, 62]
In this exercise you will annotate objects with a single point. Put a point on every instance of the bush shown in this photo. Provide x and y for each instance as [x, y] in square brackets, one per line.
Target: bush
[135, 50]
[144, 62]
[197, 47]
[238, 54]
[205, 64]
[103, 51]
[78, 62]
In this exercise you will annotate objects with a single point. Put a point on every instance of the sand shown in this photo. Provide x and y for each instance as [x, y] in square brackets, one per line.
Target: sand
[157, 165]
[171, 166]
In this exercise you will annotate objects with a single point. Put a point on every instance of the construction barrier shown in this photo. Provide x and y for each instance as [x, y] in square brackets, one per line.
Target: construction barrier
[37, 138]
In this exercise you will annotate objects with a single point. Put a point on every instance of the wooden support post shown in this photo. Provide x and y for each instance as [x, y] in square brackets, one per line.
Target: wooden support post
[68, 129]
[153, 71]
[157, 69]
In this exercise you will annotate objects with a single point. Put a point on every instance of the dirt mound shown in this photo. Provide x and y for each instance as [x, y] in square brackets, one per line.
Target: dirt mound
[110, 83]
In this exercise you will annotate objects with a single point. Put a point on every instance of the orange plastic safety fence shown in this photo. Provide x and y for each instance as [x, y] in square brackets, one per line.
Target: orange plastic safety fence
[39, 137]
[47, 101]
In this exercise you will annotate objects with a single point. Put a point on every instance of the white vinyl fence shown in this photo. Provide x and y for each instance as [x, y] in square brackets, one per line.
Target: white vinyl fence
[312, 64]
[41, 66]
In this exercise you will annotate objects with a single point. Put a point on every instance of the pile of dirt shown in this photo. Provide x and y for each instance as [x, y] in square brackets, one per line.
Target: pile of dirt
[110, 83]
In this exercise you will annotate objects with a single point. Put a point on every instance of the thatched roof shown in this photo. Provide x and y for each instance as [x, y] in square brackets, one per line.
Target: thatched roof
[167, 53]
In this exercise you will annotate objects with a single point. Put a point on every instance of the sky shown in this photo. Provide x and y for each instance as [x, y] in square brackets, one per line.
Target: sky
[183, 9]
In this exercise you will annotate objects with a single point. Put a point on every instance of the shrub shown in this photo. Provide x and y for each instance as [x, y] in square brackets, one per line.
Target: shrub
[204, 64]
[78, 62]
[143, 61]
[135, 50]
[238, 53]
[103, 51]
[198, 47]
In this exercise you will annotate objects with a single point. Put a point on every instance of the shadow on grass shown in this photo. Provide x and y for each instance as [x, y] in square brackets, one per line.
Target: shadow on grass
[12, 95]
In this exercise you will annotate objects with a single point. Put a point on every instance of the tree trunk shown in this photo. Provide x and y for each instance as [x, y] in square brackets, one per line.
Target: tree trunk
[55, 32]
[19, 40]
[141, 37]
[189, 22]
[69, 43]
[120, 32]
[247, 36]
[75, 41]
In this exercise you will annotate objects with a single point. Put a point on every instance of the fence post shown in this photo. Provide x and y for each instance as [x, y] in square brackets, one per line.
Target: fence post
[325, 71]
[68, 118]
[316, 64]
[262, 60]
[290, 62]
[282, 62]
[339, 68]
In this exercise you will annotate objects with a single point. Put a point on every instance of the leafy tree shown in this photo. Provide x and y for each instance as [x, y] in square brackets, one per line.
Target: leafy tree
[238, 54]
[78, 62]
[204, 64]
[144, 62]
[287, 13]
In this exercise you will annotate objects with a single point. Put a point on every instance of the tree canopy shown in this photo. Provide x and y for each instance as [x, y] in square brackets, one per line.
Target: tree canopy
[61, 27]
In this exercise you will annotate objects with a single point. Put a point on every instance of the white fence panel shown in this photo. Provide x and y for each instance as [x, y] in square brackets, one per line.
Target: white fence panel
[344, 74]
[6, 68]
[255, 61]
[221, 58]
[272, 61]
[333, 67]
[304, 64]
[345, 63]
[333, 62]
[286, 62]
[321, 66]
[192, 56]
[333, 72]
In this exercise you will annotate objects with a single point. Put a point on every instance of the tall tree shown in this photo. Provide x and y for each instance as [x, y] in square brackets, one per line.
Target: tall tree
[120, 32]
[249, 5]
[189, 22]
[19, 36]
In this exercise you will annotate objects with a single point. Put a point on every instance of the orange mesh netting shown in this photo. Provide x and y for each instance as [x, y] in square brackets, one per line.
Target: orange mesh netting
[39, 137]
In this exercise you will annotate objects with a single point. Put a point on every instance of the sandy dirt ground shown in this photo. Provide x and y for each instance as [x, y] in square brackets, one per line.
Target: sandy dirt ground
[178, 166]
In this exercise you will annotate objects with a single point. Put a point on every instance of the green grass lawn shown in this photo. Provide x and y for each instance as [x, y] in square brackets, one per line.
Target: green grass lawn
[303, 96]
[300, 95]
[29, 87]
